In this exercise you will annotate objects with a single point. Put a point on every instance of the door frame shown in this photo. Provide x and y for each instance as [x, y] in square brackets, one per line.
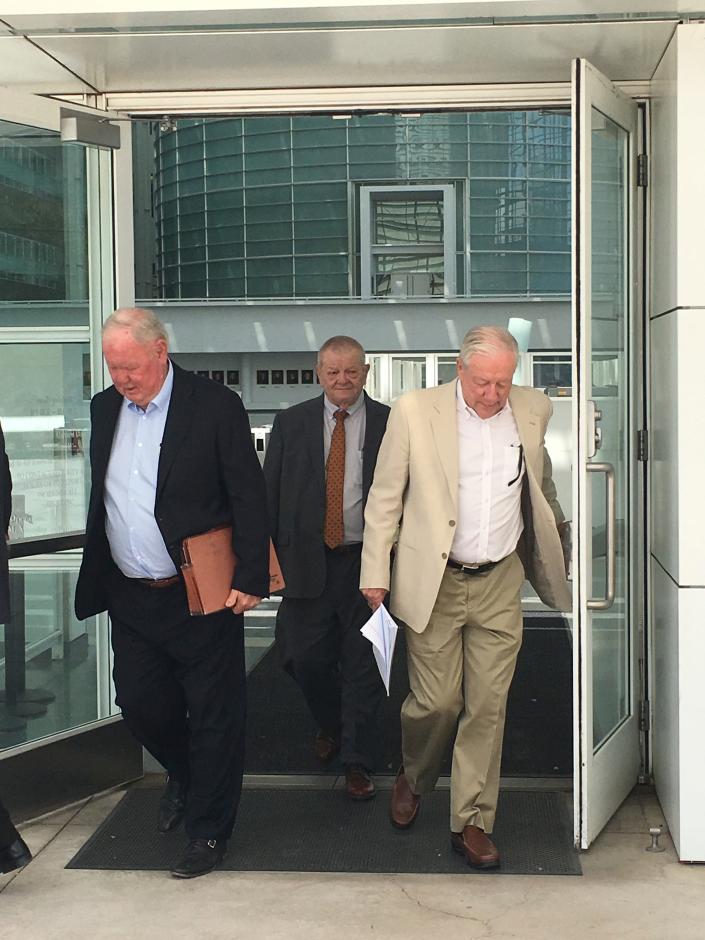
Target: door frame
[605, 775]
[125, 107]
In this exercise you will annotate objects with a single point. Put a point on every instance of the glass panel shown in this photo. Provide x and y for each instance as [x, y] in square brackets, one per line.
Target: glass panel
[447, 370]
[610, 391]
[44, 397]
[43, 229]
[554, 374]
[408, 221]
[408, 275]
[53, 668]
[514, 164]
[374, 377]
[259, 629]
[408, 374]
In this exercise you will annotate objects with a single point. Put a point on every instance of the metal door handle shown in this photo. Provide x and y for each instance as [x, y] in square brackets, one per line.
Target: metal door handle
[604, 603]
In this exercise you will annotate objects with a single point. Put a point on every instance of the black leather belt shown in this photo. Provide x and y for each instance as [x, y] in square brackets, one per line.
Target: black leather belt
[472, 569]
[158, 582]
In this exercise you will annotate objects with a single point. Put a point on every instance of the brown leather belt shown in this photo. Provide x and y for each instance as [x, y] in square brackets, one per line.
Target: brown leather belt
[472, 569]
[158, 582]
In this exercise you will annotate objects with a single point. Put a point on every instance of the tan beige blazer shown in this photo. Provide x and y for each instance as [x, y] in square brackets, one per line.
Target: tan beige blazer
[414, 502]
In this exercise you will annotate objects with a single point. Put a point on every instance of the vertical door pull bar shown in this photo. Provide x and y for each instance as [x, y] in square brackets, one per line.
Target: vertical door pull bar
[604, 603]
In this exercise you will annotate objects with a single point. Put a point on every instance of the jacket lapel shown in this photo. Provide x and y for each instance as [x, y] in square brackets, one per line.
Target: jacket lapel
[103, 431]
[178, 422]
[444, 429]
[527, 423]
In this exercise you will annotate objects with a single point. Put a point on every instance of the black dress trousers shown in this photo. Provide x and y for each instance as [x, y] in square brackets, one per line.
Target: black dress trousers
[8, 833]
[321, 646]
[180, 683]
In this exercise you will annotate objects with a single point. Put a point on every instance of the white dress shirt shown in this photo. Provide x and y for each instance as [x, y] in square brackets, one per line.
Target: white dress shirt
[136, 544]
[490, 474]
[354, 426]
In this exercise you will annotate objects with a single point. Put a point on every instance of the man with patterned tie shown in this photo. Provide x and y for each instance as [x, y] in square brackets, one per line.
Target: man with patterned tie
[319, 466]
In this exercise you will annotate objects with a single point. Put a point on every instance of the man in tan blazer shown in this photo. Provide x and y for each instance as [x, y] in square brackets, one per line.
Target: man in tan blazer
[463, 490]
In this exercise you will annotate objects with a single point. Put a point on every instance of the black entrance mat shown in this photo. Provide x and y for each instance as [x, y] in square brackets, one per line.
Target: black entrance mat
[321, 830]
[538, 738]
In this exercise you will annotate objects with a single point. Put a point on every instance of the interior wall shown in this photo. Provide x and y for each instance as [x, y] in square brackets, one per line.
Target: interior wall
[678, 449]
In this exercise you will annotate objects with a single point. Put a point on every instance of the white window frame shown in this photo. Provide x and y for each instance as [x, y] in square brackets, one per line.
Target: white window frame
[368, 249]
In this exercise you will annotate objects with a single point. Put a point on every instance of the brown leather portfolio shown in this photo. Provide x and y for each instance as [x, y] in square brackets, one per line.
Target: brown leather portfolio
[208, 566]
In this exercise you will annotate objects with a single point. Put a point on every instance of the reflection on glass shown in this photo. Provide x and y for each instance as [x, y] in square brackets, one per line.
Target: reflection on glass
[409, 275]
[408, 374]
[259, 632]
[408, 221]
[611, 652]
[373, 385]
[43, 228]
[229, 207]
[553, 373]
[53, 675]
[447, 369]
[44, 412]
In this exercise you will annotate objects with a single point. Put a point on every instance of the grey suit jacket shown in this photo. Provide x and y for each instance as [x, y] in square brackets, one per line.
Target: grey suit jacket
[296, 490]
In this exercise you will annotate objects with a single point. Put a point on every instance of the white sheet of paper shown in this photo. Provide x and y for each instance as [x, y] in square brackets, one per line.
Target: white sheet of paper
[381, 631]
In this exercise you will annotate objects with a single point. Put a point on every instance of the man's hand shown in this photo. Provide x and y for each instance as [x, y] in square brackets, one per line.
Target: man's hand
[239, 602]
[374, 596]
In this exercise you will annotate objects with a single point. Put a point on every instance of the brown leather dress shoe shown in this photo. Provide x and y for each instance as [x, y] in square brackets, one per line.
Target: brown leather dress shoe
[358, 783]
[404, 807]
[476, 846]
[325, 747]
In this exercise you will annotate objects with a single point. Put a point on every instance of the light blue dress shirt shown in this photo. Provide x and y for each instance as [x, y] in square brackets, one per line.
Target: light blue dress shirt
[355, 425]
[136, 543]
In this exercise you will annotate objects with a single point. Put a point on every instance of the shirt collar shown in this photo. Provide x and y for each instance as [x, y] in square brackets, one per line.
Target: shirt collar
[161, 399]
[464, 409]
[353, 409]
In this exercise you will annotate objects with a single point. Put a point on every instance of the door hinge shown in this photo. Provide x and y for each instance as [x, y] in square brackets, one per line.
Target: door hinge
[645, 715]
[643, 445]
[642, 170]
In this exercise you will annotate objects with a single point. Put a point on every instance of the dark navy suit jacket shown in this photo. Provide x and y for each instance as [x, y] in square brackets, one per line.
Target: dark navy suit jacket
[208, 476]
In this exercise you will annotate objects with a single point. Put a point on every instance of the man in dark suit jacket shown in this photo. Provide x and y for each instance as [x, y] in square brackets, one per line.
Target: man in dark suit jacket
[14, 852]
[172, 456]
[318, 533]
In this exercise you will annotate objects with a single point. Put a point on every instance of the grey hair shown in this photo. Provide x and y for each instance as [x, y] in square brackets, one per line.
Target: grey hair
[338, 344]
[487, 341]
[144, 325]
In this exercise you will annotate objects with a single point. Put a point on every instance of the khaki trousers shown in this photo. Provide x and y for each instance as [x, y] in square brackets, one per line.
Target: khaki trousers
[462, 665]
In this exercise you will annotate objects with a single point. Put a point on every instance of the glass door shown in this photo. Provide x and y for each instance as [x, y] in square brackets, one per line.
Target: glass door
[56, 275]
[605, 412]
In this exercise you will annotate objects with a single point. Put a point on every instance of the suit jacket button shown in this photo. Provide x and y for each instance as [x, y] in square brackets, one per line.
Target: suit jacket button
[444, 556]
[451, 522]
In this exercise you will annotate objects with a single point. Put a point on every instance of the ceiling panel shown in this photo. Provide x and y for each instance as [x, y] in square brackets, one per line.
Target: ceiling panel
[125, 14]
[26, 68]
[320, 58]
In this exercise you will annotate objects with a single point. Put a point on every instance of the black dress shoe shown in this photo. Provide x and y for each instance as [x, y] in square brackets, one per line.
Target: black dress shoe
[14, 856]
[200, 857]
[172, 805]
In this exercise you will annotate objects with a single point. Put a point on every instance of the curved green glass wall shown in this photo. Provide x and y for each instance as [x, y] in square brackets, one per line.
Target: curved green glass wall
[268, 207]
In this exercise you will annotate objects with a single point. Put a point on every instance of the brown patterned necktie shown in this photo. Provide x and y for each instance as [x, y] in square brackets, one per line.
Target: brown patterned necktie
[333, 530]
